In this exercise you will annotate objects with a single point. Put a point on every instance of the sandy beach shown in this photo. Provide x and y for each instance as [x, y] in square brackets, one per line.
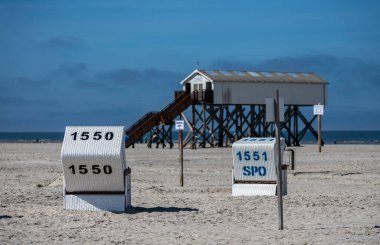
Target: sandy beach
[333, 198]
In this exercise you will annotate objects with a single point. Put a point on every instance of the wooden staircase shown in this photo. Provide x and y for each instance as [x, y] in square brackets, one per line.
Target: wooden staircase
[152, 119]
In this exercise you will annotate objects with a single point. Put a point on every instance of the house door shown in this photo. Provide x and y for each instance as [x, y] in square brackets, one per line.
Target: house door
[188, 87]
[208, 86]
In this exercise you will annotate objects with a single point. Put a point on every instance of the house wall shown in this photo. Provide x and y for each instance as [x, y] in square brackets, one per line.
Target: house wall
[255, 93]
[198, 79]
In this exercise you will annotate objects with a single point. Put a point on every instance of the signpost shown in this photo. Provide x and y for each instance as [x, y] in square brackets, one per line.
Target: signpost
[257, 162]
[278, 116]
[318, 110]
[279, 167]
[180, 125]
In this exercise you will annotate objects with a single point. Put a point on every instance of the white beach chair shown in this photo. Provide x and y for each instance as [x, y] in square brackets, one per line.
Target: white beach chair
[254, 167]
[96, 176]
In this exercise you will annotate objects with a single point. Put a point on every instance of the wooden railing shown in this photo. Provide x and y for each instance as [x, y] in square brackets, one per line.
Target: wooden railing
[203, 96]
[151, 119]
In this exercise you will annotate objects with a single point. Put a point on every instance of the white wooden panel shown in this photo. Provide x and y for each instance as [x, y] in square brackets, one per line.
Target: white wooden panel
[100, 202]
[254, 159]
[253, 190]
[113, 203]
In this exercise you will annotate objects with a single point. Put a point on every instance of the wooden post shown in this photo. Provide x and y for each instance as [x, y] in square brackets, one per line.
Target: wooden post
[292, 159]
[319, 133]
[295, 129]
[180, 158]
[193, 143]
[212, 125]
[318, 112]
[221, 126]
[204, 125]
[279, 161]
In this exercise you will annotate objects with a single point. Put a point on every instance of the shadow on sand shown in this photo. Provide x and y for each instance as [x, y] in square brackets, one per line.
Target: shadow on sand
[135, 210]
[5, 217]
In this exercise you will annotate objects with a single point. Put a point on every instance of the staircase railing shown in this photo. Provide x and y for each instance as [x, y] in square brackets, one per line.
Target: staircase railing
[138, 122]
[151, 119]
[174, 109]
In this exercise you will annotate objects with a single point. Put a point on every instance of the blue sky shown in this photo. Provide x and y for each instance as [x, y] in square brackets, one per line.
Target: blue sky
[108, 62]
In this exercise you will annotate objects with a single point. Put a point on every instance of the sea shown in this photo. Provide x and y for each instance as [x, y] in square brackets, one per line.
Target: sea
[329, 137]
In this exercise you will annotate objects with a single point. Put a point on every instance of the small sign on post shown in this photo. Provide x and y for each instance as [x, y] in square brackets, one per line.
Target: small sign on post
[318, 110]
[180, 125]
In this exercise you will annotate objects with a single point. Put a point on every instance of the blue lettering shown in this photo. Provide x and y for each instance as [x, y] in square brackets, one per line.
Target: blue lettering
[251, 170]
[262, 171]
[254, 170]
[246, 171]
[239, 155]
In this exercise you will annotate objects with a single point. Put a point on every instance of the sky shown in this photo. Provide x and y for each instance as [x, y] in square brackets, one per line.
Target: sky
[109, 62]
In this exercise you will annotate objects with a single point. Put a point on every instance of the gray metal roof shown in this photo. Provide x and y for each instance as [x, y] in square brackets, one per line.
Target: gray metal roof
[260, 76]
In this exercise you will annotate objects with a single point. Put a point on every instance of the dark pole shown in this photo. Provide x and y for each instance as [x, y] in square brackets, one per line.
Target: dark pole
[319, 132]
[279, 161]
[194, 126]
[204, 125]
[220, 126]
[180, 157]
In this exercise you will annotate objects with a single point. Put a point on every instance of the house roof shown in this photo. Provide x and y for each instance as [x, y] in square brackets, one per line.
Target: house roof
[257, 76]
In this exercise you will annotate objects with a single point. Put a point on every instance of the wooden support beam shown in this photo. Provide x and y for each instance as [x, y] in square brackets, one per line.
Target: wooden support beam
[221, 126]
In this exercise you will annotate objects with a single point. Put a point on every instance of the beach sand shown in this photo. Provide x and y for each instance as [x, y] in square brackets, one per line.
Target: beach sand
[333, 197]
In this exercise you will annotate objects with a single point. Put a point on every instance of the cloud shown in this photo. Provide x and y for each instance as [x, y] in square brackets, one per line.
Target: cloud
[23, 82]
[69, 70]
[135, 77]
[26, 81]
[222, 64]
[345, 73]
[65, 42]
[352, 93]
[73, 69]
[21, 101]
[78, 95]
[307, 63]
[132, 83]
[88, 84]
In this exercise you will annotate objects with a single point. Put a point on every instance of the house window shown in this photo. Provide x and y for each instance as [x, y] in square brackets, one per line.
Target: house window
[198, 86]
